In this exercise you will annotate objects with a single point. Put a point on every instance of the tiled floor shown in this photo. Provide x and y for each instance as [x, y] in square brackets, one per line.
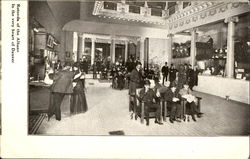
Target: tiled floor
[108, 111]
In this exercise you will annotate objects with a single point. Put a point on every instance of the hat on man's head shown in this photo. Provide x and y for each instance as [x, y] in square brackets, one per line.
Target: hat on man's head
[156, 79]
[147, 82]
[173, 84]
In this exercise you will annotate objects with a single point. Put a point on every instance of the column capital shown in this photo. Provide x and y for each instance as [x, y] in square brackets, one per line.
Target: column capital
[142, 38]
[170, 35]
[193, 30]
[113, 38]
[80, 35]
[93, 39]
[231, 19]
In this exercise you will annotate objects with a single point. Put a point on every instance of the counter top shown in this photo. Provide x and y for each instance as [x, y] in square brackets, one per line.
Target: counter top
[235, 89]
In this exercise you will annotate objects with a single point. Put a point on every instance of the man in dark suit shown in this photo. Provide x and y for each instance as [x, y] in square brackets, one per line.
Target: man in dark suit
[165, 71]
[190, 77]
[84, 66]
[149, 97]
[135, 79]
[62, 85]
[172, 73]
[173, 98]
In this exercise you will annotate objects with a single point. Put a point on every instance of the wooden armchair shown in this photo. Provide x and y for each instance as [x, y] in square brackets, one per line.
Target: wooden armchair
[183, 104]
[165, 109]
[138, 108]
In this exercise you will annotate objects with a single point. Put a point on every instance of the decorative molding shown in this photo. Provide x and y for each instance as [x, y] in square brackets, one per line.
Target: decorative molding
[108, 38]
[80, 34]
[232, 19]
[199, 13]
[203, 13]
[122, 13]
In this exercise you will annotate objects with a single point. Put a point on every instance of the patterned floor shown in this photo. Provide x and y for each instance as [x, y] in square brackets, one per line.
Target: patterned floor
[108, 112]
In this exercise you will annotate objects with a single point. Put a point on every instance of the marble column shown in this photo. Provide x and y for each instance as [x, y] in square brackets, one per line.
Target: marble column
[112, 50]
[79, 47]
[83, 46]
[193, 47]
[170, 51]
[126, 51]
[92, 51]
[142, 51]
[230, 45]
[166, 7]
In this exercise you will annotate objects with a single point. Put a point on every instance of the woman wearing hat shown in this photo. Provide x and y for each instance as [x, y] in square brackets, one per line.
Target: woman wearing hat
[78, 102]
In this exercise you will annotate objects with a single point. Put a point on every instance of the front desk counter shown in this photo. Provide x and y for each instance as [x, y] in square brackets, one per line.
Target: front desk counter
[235, 89]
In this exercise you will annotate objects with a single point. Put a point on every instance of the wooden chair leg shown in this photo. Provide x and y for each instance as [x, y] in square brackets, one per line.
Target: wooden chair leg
[142, 112]
[184, 110]
[130, 105]
[135, 107]
[165, 110]
[199, 105]
[182, 105]
[161, 111]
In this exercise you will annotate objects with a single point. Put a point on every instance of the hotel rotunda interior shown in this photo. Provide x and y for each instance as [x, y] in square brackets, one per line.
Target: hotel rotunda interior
[107, 41]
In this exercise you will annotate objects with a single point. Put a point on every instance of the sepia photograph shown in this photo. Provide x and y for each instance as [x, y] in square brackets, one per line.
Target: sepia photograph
[138, 68]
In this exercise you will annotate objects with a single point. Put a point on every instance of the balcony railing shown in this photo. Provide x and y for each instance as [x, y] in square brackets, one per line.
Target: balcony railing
[110, 5]
[156, 12]
[134, 9]
[130, 8]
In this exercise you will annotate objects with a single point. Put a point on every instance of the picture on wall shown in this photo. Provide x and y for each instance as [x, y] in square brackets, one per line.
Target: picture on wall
[181, 50]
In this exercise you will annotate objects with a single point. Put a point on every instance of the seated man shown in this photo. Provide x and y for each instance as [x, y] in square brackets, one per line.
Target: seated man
[148, 96]
[163, 89]
[173, 97]
[163, 92]
[156, 88]
[191, 107]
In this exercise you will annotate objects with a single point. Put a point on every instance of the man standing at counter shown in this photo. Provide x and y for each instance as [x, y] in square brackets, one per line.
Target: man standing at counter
[62, 85]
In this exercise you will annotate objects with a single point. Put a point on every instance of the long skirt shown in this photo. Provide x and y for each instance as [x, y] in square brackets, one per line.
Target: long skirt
[78, 102]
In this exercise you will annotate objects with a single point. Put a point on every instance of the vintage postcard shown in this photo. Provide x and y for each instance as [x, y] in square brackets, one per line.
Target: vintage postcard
[125, 79]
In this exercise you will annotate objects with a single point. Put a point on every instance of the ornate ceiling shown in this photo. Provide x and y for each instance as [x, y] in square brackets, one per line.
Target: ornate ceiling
[174, 16]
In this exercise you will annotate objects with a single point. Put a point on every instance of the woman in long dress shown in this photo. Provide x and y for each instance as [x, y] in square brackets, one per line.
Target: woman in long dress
[78, 102]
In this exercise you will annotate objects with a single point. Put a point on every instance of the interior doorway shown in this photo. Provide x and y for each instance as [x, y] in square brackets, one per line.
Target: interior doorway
[120, 52]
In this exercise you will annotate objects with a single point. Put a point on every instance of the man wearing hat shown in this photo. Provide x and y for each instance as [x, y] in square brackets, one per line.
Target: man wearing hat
[165, 71]
[149, 96]
[173, 98]
[62, 85]
[135, 79]
[157, 87]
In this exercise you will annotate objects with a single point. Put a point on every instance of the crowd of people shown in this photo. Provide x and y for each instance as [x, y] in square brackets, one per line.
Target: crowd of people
[176, 86]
